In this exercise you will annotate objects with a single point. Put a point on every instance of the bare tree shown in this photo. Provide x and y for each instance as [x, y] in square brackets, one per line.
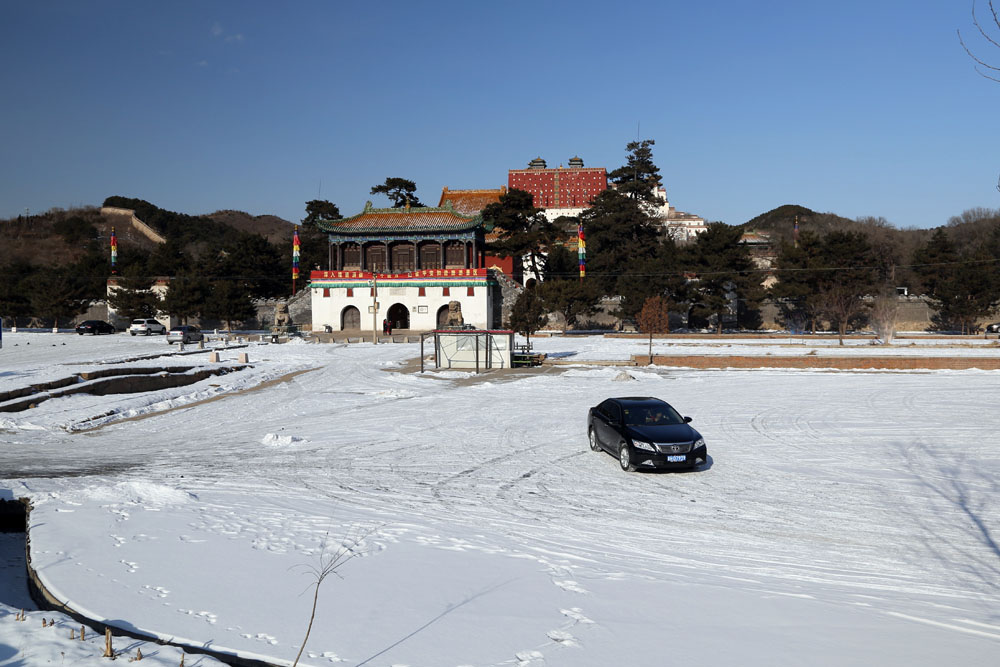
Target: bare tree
[985, 69]
[991, 72]
[884, 313]
[329, 562]
[654, 318]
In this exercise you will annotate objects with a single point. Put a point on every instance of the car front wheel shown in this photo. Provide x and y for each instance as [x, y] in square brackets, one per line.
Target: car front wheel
[625, 457]
[593, 440]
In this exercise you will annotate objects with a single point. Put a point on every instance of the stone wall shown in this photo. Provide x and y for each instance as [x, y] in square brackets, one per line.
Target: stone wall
[136, 223]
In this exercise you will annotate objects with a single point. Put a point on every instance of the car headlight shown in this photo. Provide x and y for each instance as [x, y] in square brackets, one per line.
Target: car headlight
[700, 442]
[639, 444]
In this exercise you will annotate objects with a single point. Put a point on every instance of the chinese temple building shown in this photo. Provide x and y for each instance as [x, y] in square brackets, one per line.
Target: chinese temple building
[405, 265]
[562, 191]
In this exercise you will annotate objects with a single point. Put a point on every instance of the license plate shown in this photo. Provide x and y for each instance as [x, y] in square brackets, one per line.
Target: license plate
[676, 458]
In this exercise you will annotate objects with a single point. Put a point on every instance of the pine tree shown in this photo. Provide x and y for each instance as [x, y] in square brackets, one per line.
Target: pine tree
[400, 190]
[619, 234]
[528, 314]
[639, 178]
[725, 274]
[133, 298]
[522, 228]
[186, 295]
[229, 301]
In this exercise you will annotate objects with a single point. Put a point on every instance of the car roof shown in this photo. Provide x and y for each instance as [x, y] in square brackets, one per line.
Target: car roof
[635, 400]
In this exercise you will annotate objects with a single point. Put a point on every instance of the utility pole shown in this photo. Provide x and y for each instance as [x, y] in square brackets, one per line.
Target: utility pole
[374, 283]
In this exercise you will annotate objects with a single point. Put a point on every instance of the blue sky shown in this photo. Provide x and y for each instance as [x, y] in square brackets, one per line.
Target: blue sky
[857, 108]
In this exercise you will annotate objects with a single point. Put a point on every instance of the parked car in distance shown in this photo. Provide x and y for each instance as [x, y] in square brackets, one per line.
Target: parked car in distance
[185, 333]
[993, 328]
[94, 327]
[146, 326]
[645, 432]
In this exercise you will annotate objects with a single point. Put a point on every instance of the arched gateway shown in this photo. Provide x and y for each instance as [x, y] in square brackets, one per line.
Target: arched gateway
[350, 318]
[399, 316]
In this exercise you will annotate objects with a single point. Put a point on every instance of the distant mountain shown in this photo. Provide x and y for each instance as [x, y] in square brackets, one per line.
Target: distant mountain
[274, 229]
[779, 223]
[63, 236]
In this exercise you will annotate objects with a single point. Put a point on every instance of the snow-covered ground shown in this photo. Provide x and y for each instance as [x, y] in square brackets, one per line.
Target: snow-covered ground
[845, 518]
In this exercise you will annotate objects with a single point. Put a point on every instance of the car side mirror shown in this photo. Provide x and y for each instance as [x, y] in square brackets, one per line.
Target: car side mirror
[687, 420]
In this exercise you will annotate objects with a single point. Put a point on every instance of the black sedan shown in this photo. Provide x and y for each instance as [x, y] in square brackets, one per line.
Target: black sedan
[94, 327]
[645, 432]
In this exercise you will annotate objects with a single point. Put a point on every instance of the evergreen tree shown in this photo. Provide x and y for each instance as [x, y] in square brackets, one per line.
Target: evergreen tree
[57, 294]
[168, 259]
[619, 234]
[319, 210]
[849, 276]
[400, 190]
[522, 228]
[14, 301]
[935, 261]
[964, 288]
[229, 301]
[798, 278]
[134, 297]
[561, 264]
[657, 275]
[528, 314]
[185, 296]
[639, 178]
[569, 297]
[725, 274]
[256, 265]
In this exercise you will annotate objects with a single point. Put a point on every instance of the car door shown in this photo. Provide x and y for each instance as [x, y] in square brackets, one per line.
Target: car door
[614, 427]
[603, 429]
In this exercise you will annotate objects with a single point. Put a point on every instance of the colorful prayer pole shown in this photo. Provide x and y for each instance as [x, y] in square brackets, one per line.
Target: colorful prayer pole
[581, 245]
[114, 252]
[295, 260]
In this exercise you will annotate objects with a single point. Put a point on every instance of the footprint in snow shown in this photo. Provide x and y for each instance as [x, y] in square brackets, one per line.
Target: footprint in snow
[530, 659]
[329, 655]
[561, 637]
[571, 586]
[576, 614]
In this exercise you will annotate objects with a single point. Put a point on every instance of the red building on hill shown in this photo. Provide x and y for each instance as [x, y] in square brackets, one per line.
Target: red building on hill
[572, 187]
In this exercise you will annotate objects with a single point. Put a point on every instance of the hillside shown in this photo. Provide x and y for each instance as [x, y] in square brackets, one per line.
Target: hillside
[779, 222]
[63, 236]
[274, 229]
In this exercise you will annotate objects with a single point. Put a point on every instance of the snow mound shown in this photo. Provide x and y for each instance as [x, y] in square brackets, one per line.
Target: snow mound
[623, 377]
[275, 440]
[140, 493]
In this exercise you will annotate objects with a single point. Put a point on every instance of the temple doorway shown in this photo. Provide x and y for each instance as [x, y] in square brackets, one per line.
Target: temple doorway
[442, 317]
[399, 316]
[350, 318]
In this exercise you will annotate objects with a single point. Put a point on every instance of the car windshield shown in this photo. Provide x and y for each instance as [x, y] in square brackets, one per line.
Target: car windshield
[660, 414]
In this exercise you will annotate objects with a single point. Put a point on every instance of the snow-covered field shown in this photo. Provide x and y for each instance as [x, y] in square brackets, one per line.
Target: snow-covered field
[845, 518]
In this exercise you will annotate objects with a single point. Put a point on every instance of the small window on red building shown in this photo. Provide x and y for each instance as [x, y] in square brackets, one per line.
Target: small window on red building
[470, 291]
[326, 291]
[350, 291]
[445, 291]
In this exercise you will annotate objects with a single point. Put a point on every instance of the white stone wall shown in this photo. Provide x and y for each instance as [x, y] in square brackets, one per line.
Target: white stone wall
[422, 310]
